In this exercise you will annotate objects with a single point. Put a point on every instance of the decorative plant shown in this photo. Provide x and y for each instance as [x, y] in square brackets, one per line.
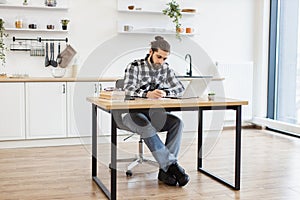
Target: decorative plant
[2, 45]
[211, 96]
[173, 11]
[65, 22]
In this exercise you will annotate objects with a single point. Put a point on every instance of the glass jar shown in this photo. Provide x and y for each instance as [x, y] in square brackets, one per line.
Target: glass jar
[19, 23]
[51, 3]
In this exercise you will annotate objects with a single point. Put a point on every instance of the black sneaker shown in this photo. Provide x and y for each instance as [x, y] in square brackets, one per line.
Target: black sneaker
[179, 174]
[166, 178]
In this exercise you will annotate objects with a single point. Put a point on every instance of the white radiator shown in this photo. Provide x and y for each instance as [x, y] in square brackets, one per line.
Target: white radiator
[237, 84]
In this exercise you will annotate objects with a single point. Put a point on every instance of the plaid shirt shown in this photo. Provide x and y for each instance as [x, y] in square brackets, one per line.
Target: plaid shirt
[141, 77]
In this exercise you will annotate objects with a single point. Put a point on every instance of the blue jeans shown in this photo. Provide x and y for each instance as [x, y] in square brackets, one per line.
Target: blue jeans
[148, 124]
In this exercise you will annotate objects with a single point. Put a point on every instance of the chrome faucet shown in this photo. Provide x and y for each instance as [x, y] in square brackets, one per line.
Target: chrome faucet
[189, 73]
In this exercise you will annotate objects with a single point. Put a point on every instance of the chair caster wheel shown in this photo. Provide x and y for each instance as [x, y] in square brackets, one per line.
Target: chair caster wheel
[128, 173]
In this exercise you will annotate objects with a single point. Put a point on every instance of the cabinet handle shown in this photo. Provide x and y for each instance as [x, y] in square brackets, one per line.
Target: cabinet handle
[64, 88]
[95, 87]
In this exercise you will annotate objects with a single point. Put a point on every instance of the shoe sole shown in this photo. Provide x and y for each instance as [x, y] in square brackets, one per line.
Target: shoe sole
[167, 183]
[185, 181]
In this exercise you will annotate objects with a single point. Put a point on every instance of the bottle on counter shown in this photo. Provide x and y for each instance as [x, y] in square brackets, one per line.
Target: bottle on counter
[75, 68]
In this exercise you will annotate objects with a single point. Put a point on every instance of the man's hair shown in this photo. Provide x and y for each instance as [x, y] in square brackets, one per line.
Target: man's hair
[160, 43]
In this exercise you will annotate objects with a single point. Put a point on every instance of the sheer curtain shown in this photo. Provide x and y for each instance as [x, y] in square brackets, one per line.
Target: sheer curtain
[287, 55]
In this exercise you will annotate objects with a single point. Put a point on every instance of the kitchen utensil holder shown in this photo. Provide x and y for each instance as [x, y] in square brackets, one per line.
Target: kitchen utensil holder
[23, 45]
[39, 39]
[20, 46]
[37, 49]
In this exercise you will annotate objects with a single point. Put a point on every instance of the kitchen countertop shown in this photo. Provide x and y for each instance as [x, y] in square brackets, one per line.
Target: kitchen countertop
[69, 79]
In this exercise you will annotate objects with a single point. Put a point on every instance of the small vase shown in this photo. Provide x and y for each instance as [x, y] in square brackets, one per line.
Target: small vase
[211, 97]
[179, 30]
[64, 27]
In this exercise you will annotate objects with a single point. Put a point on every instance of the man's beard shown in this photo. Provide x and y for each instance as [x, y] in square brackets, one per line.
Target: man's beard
[155, 65]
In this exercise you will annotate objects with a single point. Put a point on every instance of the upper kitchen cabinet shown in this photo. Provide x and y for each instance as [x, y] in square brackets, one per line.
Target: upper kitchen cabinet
[12, 115]
[34, 17]
[46, 108]
[134, 17]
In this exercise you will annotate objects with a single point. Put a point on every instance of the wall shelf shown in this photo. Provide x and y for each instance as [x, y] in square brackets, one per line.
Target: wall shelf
[36, 30]
[34, 13]
[135, 15]
[153, 12]
[154, 32]
[12, 6]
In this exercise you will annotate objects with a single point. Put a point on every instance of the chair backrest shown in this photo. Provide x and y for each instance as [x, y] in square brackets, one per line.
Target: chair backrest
[119, 84]
[117, 115]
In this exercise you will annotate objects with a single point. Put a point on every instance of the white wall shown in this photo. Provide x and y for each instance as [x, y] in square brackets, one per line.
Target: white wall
[225, 29]
[229, 30]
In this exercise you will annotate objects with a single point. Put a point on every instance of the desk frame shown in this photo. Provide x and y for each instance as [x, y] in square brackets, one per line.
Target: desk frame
[112, 194]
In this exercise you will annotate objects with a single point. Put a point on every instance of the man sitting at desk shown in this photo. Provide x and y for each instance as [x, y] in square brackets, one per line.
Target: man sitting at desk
[152, 78]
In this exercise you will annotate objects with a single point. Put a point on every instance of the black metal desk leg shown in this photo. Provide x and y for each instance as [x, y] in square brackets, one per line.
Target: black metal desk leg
[237, 165]
[238, 147]
[200, 138]
[95, 153]
[113, 158]
[94, 140]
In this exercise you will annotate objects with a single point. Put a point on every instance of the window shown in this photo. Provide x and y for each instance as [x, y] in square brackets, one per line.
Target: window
[284, 62]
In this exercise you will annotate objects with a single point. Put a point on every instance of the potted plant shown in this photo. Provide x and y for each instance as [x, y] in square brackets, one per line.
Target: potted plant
[2, 45]
[211, 96]
[173, 11]
[65, 23]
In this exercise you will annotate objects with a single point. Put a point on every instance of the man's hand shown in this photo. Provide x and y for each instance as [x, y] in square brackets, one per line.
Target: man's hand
[155, 94]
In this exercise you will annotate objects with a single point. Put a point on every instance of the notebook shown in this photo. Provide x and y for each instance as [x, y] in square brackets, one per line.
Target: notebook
[195, 88]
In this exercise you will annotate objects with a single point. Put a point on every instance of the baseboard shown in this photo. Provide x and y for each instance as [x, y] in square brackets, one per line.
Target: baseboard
[87, 140]
[40, 143]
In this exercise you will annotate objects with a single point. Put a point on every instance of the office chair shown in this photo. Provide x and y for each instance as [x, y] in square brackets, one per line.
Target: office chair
[139, 159]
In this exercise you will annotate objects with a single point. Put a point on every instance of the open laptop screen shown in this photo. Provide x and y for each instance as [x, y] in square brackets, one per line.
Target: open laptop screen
[195, 88]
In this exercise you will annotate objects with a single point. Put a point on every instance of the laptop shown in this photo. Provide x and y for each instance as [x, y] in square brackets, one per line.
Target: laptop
[195, 88]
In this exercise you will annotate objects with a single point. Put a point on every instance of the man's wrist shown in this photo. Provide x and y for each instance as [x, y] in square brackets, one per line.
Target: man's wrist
[145, 94]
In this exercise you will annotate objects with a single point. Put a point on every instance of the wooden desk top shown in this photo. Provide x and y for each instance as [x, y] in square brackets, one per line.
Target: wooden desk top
[140, 103]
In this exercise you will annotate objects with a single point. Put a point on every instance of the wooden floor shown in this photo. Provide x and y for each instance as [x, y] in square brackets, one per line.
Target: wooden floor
[270, 170]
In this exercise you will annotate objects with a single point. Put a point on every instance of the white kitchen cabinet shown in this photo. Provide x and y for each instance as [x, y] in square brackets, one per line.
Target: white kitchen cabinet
[46, 110]
[79, 110]
[12, 115]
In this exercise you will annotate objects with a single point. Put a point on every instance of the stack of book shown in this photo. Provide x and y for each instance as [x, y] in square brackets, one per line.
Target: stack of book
[114, 95]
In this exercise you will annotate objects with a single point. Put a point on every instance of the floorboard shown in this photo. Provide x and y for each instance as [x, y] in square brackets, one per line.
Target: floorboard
[270, 170]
